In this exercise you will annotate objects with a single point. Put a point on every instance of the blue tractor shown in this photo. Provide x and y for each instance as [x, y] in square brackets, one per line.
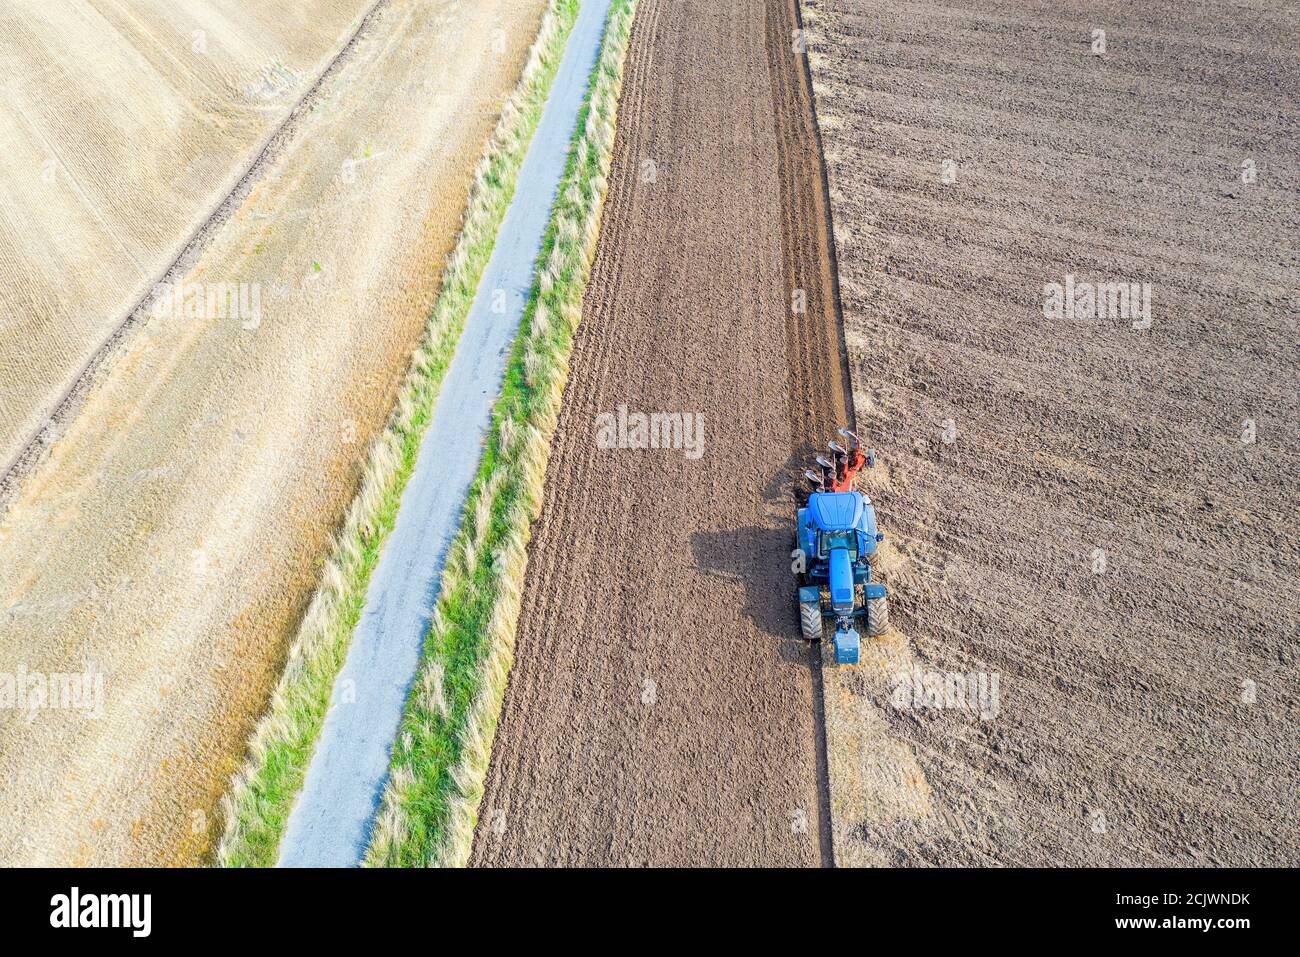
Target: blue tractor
[837, 538]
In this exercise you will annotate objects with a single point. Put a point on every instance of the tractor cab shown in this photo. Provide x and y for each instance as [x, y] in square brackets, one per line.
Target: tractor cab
[841, 520]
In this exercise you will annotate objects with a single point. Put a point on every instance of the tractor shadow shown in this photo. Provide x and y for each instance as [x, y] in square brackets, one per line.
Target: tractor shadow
[758, 558]
[787, 487]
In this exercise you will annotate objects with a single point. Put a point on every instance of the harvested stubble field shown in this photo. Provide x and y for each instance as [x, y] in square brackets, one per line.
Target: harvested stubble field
[661, 709]
[125, 126]
[173, 538]
[1102, 516]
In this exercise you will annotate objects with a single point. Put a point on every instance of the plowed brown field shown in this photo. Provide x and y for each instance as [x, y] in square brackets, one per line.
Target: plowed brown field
[1099, 515]
[661, 709]
[1102, 516]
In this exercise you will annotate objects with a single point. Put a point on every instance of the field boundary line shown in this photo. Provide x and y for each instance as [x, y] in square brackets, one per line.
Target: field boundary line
[256, 808]
[806, 99]
[829, 714]
[430, 804]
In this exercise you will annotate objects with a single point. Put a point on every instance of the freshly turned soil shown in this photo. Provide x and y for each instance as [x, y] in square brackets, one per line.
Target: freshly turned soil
[1148, 696]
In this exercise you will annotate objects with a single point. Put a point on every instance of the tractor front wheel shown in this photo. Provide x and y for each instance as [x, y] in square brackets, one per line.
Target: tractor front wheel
[877, 616]
[810, 621]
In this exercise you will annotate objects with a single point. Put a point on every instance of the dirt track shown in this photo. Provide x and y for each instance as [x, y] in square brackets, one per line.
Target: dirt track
[1076, 505]
[660, 710]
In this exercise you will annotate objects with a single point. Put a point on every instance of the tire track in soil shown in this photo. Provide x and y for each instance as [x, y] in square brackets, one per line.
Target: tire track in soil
[662, 709]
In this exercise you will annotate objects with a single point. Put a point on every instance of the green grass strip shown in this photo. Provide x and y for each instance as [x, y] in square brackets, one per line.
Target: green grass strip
[440, 760]
[256, 809]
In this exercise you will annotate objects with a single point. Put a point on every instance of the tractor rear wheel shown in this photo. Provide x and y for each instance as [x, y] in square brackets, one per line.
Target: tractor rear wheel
[877, 616]
[810, 621]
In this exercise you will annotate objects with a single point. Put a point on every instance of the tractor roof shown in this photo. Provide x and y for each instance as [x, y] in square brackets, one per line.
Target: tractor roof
[836, 511]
